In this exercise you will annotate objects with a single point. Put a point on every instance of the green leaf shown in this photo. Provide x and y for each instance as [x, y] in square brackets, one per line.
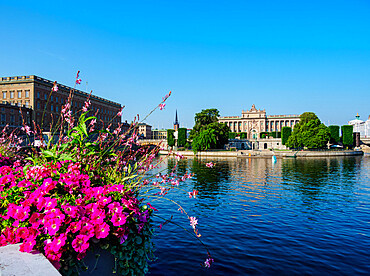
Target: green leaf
[48, 153]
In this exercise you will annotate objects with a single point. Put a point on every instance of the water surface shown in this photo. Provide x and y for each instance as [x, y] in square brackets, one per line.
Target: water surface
[297, 216]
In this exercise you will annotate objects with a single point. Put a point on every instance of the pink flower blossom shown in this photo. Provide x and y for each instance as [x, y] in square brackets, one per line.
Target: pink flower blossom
[74, 226]
[27, 129]
[118, 219]
[55, 86]
[27, 245]
[52, 226]
[101, 230]
[78, 81]
[210, 165]
[193, 222]
[193, 193]
[86, 106]
[161, 106]
[80, 243]
[208, 262]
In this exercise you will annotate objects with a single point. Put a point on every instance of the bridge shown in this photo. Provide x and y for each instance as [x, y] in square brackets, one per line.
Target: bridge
[153, 142]
[366, 140]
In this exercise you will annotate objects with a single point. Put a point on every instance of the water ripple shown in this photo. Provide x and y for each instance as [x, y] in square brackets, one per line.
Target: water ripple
[294, 217]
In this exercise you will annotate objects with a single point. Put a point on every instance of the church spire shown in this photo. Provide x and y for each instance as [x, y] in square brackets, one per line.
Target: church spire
[176, 123]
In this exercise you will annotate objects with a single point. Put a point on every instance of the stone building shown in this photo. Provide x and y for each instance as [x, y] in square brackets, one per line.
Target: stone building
[14, 116]
[159, 134]
[36, 93]
[362, 127]
[255, 121]
[145, 131]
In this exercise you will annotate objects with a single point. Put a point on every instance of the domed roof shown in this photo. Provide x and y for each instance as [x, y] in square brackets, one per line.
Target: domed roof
[356, 121]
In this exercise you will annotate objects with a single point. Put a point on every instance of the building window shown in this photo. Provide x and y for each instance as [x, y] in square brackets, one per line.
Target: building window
[19, 103]
[3, 117]
[4, 94]
[38, 94]
[19, 94]
[51, 98]
[56, 99]
[12, 118]
[51, 108]
[46, 97]
[27, 103]
[12, 94]
[56, 108]
[27, 93]
[38, 105]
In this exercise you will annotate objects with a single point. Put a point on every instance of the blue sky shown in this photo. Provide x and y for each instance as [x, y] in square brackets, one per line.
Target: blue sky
[287, 57]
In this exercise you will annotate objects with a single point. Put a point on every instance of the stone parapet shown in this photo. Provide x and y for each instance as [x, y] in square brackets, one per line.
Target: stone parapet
[13, 262]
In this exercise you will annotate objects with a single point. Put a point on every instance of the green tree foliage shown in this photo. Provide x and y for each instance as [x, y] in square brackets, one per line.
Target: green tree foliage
[334, 134]
[206, 139]
[285, 133]
[181, 140]
[347, 135]
[273, 134]
[243, 135]
[232, 135]
[208, 120]
[309, 132]
[170, 137]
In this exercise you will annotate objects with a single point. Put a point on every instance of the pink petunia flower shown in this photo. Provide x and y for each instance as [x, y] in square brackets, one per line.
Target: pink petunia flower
[27, 245]
[80, 243]
[101, 230]
[118, 219]
[210, 165]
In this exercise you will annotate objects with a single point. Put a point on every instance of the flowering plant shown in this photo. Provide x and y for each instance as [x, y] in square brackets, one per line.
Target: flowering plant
[84, 191]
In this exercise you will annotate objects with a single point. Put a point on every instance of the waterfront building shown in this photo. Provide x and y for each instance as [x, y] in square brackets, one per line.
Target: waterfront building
[362, 127]
[159, 134]
[145, 130]
[14, 116]
[36, 93]
[255, 121]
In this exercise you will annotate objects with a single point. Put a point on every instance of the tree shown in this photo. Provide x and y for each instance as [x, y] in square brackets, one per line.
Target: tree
[206, 139]
[170, 137]
[285, 133]
[347, 135]
[181, 140]
[309, 132]
[207, 119]
[334, 134]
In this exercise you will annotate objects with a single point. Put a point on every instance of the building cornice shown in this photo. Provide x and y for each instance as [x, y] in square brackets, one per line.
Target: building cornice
[49, 83]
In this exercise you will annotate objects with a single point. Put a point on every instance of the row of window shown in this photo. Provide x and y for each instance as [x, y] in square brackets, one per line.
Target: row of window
[18, 103]
[11, 118]
[19, 94]
[76, 104]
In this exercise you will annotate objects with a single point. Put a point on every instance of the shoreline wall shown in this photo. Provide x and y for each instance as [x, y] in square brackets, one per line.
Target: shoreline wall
[265, 153]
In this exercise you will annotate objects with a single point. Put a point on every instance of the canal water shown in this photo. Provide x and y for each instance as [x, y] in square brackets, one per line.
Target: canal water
[292, 217]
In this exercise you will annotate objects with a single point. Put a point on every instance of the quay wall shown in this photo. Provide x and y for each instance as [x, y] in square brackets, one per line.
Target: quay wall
[265, 153]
